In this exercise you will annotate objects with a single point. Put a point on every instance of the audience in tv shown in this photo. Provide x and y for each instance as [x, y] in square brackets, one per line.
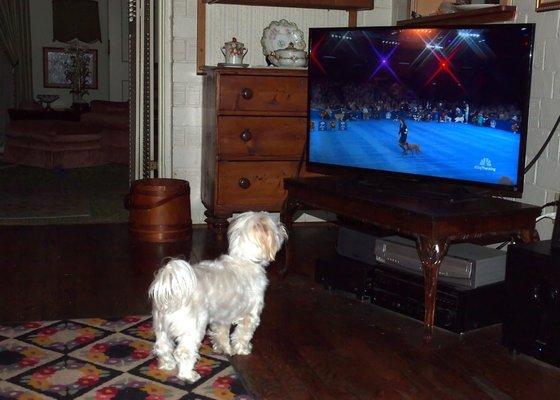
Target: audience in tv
[366, 101]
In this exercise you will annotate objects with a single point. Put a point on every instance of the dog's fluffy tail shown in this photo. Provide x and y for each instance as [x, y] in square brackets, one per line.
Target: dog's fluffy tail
[173, 284]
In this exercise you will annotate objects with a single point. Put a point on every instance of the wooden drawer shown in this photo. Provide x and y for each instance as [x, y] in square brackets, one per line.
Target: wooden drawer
[247, 185]
[262, 93]
[265, 137]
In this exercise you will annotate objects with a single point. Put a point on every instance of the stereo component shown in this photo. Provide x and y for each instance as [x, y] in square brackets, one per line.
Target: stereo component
[466, 264]
[345, 274]
[458, 309]
[532, 312]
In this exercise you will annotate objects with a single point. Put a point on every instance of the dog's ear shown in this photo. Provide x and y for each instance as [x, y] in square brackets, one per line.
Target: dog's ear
[264, 234]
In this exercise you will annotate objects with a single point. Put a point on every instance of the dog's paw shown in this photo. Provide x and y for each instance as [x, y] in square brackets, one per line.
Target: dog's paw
[219, 349]
[242, 349]
[166, 365]
[190, 376]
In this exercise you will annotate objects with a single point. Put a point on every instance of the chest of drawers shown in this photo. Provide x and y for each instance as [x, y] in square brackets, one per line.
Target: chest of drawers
[254, 129]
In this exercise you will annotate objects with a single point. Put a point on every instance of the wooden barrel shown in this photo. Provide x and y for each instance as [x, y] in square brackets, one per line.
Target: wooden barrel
[160, 210]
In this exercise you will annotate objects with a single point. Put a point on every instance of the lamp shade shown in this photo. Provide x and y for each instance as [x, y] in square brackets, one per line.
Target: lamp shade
[76, 19]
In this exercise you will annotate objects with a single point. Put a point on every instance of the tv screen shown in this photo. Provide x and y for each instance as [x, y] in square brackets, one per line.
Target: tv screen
[436, 103]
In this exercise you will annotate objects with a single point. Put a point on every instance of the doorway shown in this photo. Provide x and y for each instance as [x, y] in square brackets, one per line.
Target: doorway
[150, 27]
[68, 161]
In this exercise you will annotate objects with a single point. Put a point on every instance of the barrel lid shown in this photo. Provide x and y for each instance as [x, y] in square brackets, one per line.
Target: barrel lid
[160, 184]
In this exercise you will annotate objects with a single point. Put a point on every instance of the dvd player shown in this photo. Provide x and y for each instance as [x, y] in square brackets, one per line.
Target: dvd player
[466, 264]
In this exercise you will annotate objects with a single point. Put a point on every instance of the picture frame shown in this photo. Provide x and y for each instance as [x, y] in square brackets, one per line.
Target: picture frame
[53, 68]
[547, 5]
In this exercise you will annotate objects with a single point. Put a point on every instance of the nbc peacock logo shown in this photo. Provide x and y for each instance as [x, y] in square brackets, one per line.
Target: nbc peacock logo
[485, 165]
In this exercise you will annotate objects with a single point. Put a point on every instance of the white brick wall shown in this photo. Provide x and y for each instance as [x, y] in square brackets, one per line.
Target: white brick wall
[542, 183]
[186, 95]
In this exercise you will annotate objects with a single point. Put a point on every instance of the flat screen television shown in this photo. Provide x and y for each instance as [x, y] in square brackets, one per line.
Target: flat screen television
[437, 104]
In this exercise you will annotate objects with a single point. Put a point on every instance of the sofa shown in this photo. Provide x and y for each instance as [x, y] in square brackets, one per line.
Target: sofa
[98, 137]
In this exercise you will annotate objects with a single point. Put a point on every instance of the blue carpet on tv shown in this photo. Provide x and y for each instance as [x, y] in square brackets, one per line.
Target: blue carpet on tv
[455, 150]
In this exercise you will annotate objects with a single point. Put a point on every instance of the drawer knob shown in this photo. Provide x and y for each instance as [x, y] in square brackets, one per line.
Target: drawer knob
[244, 183]
[247, 93]
[246, 135]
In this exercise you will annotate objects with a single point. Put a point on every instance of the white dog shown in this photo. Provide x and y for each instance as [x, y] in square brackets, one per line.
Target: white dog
[220, 293]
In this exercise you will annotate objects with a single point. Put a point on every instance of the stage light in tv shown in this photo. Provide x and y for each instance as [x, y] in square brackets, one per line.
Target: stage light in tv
[420, 31]
[445, 66]
[313, 54]
[383, 63]
[468, 34]
[342, 37]
[479, 47]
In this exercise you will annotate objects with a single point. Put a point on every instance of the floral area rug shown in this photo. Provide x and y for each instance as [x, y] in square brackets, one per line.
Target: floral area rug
[102, 359]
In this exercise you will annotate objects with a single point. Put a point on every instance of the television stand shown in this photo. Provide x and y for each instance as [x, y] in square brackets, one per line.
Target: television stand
[433, 223]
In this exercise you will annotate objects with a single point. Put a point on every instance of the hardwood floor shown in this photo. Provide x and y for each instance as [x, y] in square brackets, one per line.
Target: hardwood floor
[312, 344]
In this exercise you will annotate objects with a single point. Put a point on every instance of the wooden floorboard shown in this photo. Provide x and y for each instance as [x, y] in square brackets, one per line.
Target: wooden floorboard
[312, 344]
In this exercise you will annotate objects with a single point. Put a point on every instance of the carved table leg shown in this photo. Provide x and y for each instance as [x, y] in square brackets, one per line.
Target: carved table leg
[431, 252]
[286, 217]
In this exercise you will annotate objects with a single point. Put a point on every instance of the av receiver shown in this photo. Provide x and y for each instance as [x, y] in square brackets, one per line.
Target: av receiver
[458, 309]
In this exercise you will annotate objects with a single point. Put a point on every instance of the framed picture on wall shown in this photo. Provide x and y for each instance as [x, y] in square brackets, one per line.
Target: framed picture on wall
[547, 5]
[55, 62]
